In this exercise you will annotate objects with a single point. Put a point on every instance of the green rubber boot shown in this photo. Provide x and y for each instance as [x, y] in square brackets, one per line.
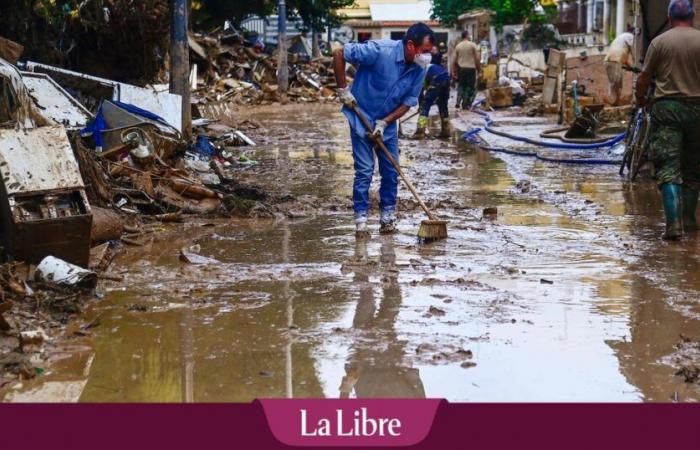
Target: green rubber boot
[671, 196]
[420, 128]
[690, 202]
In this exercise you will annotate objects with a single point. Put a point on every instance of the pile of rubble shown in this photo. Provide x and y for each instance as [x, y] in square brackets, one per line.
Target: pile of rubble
[36, 304]
[78, 158]
[227, 67]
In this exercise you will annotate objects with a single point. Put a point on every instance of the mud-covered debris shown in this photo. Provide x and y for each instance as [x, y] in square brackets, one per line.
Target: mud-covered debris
[189, 257]
[107, 225]
[545, 281]
[231, 69]
[10, 50]
[95, 322]
[465, 353]
[32, 337]
[467, 364]
[138, 307]
[4, 307]
[435, 311]
[686, 359]
[101, 256]
[523, 186]
[57, 271]
[490, 213]
[691, 374]
[17, 364]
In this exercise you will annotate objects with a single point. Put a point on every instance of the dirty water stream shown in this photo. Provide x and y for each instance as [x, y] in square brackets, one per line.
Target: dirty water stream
[567, 295]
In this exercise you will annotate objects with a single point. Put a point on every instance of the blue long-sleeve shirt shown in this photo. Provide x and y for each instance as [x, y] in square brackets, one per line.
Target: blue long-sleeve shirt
[383, 82]
[436, 75]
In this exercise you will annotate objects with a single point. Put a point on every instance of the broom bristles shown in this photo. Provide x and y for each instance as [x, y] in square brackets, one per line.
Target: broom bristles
[432, 230]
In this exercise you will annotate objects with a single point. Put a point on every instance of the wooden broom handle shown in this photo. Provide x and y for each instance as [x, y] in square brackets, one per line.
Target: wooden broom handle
[379, 143]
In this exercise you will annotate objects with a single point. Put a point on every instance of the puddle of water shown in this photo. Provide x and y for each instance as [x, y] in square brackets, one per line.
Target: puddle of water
[568, 296]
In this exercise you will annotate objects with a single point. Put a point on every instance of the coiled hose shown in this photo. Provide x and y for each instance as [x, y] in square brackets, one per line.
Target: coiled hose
[471, 136]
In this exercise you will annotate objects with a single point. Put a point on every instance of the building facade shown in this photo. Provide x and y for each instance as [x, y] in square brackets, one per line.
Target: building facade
[594, 22]
[389, 19]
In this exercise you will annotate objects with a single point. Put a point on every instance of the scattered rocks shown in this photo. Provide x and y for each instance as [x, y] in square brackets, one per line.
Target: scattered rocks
[490, 213]
[435, 311]
[523, 186]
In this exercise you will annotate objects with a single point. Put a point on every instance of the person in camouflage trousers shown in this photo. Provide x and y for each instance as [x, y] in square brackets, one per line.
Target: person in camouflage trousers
[674, 144]
[673, 61]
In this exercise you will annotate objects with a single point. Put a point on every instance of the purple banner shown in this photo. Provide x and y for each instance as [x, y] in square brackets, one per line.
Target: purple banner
[246, 426]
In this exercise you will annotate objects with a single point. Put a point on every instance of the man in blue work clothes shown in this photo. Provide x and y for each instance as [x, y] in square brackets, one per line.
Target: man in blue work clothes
[437, 90]
[387, 84]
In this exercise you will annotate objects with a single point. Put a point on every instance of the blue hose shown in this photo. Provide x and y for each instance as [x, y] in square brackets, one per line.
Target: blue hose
[555, 145]
[593, 161]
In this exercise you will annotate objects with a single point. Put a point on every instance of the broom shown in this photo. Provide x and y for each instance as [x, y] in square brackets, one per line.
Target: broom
[431, 229]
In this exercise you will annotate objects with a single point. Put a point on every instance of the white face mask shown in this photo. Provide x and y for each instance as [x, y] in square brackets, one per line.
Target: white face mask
[423, 59]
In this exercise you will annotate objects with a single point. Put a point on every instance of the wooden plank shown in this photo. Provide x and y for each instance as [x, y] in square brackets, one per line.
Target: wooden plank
[549, 90]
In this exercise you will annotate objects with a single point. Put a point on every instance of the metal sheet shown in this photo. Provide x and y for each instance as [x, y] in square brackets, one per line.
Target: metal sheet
[155, 99]
[54, 102]
[38, 160]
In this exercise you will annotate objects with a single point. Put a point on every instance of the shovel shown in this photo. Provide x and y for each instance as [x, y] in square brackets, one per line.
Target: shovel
[431, 229]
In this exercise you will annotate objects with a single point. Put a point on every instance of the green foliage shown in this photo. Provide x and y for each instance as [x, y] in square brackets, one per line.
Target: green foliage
[214, 12]
[539, 33]
[507, 11]
[319, 13]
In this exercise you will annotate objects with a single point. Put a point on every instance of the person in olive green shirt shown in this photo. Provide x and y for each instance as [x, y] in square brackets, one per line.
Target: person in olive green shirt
[466, 65]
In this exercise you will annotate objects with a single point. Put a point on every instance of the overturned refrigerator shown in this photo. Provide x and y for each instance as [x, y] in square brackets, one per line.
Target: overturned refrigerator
[43, 207]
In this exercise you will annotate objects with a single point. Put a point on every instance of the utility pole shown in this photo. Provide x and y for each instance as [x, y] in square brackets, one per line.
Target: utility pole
[330, 32]
[180, 63]
[315, 51]
[282, 67]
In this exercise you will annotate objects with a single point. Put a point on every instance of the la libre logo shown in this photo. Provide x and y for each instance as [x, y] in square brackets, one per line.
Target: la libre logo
[358, 424]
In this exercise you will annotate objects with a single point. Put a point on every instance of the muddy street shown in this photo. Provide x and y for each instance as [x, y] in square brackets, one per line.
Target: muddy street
[566, 294]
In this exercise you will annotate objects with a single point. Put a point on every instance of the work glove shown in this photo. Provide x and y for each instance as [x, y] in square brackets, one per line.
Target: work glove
[346, 97]
[379, 127]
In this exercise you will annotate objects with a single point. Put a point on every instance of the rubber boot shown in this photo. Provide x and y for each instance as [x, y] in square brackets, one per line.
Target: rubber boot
[420, 128]
[671, 196]
[445, 127]
[690, 202]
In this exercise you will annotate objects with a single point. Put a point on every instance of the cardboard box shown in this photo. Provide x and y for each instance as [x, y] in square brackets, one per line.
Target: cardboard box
[501, 97]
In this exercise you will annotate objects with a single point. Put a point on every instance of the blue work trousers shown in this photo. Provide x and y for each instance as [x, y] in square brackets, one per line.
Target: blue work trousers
[363, 154]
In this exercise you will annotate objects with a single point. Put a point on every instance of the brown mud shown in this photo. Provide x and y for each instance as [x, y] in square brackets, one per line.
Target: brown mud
[566, 293]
